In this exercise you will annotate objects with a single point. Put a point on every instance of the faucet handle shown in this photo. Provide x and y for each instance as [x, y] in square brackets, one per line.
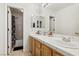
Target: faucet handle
[76, 33]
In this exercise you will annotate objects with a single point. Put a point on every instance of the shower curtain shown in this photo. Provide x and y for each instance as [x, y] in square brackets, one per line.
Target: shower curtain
[13, 32]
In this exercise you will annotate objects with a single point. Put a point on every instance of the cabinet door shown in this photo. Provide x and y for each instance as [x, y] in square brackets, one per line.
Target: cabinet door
[38, 52]
[33, 46]
[30, 44]
[46, 51]
[38, 44]
[38, 48]
[56, 53]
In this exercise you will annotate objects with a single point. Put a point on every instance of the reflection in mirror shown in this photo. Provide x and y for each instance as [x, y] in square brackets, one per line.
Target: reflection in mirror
[33, 25]
[38, 22]
[67, 20]
[52, 24]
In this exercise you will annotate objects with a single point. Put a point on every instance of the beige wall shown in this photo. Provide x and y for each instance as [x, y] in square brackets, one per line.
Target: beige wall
[2, 28]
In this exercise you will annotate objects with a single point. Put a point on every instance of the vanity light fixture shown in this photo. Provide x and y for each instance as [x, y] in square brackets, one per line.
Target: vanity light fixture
[45, 5]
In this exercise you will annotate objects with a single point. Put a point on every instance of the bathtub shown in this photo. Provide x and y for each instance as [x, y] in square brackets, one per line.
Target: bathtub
[18, 43]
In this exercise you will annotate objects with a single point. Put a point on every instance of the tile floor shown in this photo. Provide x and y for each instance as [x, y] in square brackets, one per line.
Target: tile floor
[19, 53]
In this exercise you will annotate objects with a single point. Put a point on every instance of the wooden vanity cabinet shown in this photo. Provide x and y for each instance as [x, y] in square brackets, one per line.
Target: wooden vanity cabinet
[32, 45]
[45, 51]
[38, 49]
[41, 49]
[56, 53]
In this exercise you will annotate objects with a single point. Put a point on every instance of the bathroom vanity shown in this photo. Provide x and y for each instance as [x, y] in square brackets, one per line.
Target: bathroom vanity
[40, 45]
[37, 48]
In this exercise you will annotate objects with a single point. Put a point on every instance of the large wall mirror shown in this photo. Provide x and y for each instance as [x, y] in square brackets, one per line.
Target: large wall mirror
[38, 22]
[67, 20]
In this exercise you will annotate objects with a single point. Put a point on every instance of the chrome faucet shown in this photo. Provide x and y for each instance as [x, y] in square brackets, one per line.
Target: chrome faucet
[66, 39]
[38, 32]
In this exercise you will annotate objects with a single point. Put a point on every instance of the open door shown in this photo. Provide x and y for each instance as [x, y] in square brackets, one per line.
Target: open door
[14, 29]
[9, 30]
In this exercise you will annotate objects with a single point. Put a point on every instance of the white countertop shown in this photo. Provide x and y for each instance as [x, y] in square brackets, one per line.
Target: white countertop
[47, 41]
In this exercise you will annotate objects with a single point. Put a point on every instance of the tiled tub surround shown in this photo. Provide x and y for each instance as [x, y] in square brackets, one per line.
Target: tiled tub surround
[49, 41]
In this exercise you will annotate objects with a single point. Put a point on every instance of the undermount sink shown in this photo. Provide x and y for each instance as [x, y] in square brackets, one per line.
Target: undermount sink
[67, 43]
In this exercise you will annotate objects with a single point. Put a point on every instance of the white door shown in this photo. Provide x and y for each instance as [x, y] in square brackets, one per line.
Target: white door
[52, 25]
[9, 31]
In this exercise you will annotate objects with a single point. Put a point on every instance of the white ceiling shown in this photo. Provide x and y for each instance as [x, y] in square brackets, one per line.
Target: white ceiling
[57, 6]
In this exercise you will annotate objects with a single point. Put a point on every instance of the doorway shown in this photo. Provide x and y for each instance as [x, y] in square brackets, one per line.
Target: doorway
[52, 24]
[15, 29]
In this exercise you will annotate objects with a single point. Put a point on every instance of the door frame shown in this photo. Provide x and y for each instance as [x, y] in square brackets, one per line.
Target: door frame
[7, 26]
